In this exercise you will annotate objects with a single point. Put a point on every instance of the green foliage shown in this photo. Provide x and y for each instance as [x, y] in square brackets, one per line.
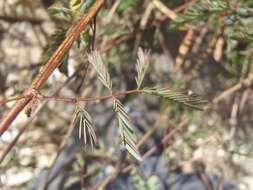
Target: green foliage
[126, 5]
[56, 39]
[83, 118]
[184, 97]
[62, 13]
[96, 60]
[151, 183]
[75, 4]
[203, 133]
[119, 57]
[235, 20]
[224, 21]
[71, 181]
[84, 41]
[110, 30]
[201, 11]
[129, 139]
[86, 6]
[141, 66]
[128, 136]
[8, 158]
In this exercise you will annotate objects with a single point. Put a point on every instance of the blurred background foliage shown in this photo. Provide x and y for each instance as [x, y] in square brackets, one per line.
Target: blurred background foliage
[203, 45]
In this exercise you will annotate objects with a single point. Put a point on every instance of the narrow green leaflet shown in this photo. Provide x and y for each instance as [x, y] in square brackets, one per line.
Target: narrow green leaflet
[125, 5]
[184, 97]
[71, 180]
[96, 60]
[143, 182]
[84, 40]
[141, 66]
[59, 10]
[87, 5]
[127, 133]
[201, 10]
[55, 41]
[81, 5]
[61, 13]
[83, 118]
[75, 4]
[8, 158]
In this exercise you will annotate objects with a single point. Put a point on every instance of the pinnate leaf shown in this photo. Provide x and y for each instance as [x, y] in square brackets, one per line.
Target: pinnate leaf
[184, 97]
[127, 133]
[141, 66]
[96, 60]
[83, 118]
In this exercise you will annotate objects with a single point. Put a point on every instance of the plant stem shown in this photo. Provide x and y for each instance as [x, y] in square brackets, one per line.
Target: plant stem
[74, 100]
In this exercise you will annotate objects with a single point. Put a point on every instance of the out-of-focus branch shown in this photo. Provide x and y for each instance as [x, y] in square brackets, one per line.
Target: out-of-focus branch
[13, 19]
[245, 83]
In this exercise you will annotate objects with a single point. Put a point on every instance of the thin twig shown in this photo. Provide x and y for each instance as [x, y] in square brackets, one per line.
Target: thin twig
[14, 19]
[74, 100]
[245, 83]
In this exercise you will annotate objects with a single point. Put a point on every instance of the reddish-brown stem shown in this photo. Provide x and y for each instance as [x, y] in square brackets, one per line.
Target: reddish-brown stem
[74, 100]
[51, 65]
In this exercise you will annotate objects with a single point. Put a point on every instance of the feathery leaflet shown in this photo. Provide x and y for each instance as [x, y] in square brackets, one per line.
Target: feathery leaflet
[185, 97]
[141, 66]
[127, 133]
[83, 119]
[96, 60]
